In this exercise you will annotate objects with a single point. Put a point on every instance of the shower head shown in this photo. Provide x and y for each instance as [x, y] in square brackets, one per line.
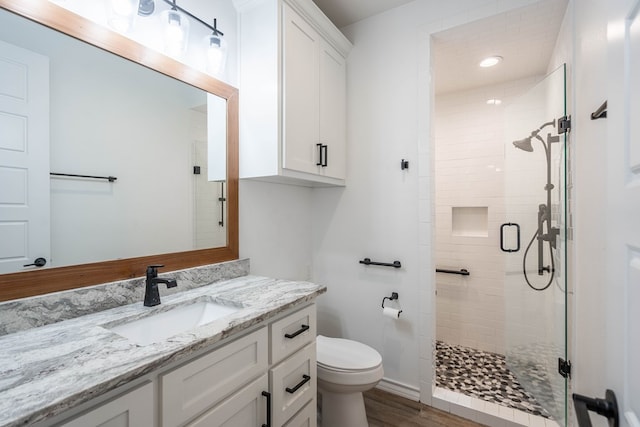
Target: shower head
[524, 144]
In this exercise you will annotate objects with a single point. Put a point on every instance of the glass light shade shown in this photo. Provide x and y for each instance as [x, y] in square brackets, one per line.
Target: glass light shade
[175, 32]
[121, 13]
[216, 51]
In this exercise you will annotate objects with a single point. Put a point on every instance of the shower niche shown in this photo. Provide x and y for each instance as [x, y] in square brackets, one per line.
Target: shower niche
[470, 221]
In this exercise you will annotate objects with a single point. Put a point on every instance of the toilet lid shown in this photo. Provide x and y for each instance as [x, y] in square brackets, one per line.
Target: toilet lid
[339, 353]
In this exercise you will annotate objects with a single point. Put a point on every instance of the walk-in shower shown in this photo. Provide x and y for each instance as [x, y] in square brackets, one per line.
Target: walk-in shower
[501, 328]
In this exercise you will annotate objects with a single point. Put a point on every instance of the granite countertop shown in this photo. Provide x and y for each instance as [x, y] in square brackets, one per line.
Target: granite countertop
[49, 369]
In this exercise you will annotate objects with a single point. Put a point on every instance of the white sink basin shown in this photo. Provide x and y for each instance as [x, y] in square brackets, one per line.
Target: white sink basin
[166, 324]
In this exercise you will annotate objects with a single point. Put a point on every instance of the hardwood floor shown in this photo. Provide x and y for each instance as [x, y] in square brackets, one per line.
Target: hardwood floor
[388, 410]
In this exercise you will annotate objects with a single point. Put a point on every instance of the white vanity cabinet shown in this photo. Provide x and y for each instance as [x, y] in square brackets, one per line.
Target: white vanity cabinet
[230, 385]
[293, 83]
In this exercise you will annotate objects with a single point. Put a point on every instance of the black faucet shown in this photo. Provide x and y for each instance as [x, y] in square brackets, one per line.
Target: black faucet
[151, 294]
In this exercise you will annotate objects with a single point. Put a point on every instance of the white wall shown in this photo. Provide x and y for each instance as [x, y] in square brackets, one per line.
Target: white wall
[275, 229]
[590, 150]
[470, 148]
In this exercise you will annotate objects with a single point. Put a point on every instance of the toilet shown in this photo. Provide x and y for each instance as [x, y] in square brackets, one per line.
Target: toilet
[346, 368]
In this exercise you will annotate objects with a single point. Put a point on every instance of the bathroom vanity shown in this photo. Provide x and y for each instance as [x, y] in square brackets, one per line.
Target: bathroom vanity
[253, 366]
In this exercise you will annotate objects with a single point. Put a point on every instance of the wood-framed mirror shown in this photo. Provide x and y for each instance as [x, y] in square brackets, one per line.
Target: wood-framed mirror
[70, 275]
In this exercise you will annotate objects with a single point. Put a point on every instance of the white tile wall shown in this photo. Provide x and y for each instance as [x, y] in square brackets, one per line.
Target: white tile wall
[469, 165]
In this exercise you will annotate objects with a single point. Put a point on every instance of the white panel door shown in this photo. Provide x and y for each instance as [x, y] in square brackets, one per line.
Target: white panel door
[301, 105]
[24, 158]
[622, 173]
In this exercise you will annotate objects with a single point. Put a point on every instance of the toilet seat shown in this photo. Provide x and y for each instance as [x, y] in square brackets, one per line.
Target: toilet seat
[345, 355]
[347, 362]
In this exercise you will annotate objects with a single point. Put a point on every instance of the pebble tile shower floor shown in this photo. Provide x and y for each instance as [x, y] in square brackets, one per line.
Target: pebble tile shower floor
[482, 375]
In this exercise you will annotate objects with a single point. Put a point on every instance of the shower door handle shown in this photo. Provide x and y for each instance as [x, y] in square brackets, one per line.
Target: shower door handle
[502, 247]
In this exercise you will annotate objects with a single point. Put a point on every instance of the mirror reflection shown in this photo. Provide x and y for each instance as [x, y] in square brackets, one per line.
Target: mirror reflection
[163, 140]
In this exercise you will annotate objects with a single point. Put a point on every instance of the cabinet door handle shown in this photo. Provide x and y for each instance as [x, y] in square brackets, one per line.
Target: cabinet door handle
[268, 396]
[302, 329]
[305, 379]
[319, 162]
[326, 155]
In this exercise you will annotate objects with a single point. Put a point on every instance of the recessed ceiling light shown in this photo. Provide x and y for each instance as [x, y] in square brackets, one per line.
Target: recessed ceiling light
[494, 101]
[490, 61]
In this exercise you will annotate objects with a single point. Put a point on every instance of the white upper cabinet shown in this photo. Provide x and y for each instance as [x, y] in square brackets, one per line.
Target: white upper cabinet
[293, 91]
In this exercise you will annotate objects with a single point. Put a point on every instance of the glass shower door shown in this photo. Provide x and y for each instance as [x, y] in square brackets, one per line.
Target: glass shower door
[534, 242]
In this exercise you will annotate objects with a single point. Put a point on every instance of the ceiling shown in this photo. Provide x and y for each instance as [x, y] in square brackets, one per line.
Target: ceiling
[346, 12]
[524, 37]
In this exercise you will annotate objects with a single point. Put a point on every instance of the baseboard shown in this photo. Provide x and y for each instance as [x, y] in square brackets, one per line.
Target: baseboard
[400, 389]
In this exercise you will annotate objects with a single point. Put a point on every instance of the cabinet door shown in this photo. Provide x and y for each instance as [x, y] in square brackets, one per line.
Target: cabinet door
[190, 389]
[246, 407]
[134, 408]
[333, 111]
[300, 99]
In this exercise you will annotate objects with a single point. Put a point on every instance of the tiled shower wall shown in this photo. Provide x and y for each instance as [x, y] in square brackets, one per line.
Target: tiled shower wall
[469, 164]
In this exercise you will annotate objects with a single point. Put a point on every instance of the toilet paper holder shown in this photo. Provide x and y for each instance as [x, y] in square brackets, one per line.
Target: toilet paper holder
[394, 296]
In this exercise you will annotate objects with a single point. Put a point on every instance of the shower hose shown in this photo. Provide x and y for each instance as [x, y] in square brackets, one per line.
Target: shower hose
[524, 265]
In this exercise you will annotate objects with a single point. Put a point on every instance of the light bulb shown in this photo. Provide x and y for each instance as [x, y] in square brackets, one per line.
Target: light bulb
[175, 32]
[121, 13]
[216, 49]
[490, 61]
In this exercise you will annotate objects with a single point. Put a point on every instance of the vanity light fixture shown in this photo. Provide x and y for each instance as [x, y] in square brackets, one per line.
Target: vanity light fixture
[176, 33]
[490, 61]
[494, 101]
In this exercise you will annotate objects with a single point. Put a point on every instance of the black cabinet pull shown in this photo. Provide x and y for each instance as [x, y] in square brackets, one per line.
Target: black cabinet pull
[39, 262]
[302, 329]
[502, 247]
[305, 379]
[323, 155]
[268, 396]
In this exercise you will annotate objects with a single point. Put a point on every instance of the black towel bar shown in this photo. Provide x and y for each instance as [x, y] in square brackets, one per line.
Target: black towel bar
[367, 261]
[462, 271]
[108, 178]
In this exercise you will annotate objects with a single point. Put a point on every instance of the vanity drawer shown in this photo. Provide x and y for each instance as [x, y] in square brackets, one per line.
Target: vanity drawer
[307, 417]
[292, 333]
[293, 384]
[190, 389]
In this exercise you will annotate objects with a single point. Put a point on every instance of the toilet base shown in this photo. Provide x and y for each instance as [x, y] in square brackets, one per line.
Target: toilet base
[343, 409]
